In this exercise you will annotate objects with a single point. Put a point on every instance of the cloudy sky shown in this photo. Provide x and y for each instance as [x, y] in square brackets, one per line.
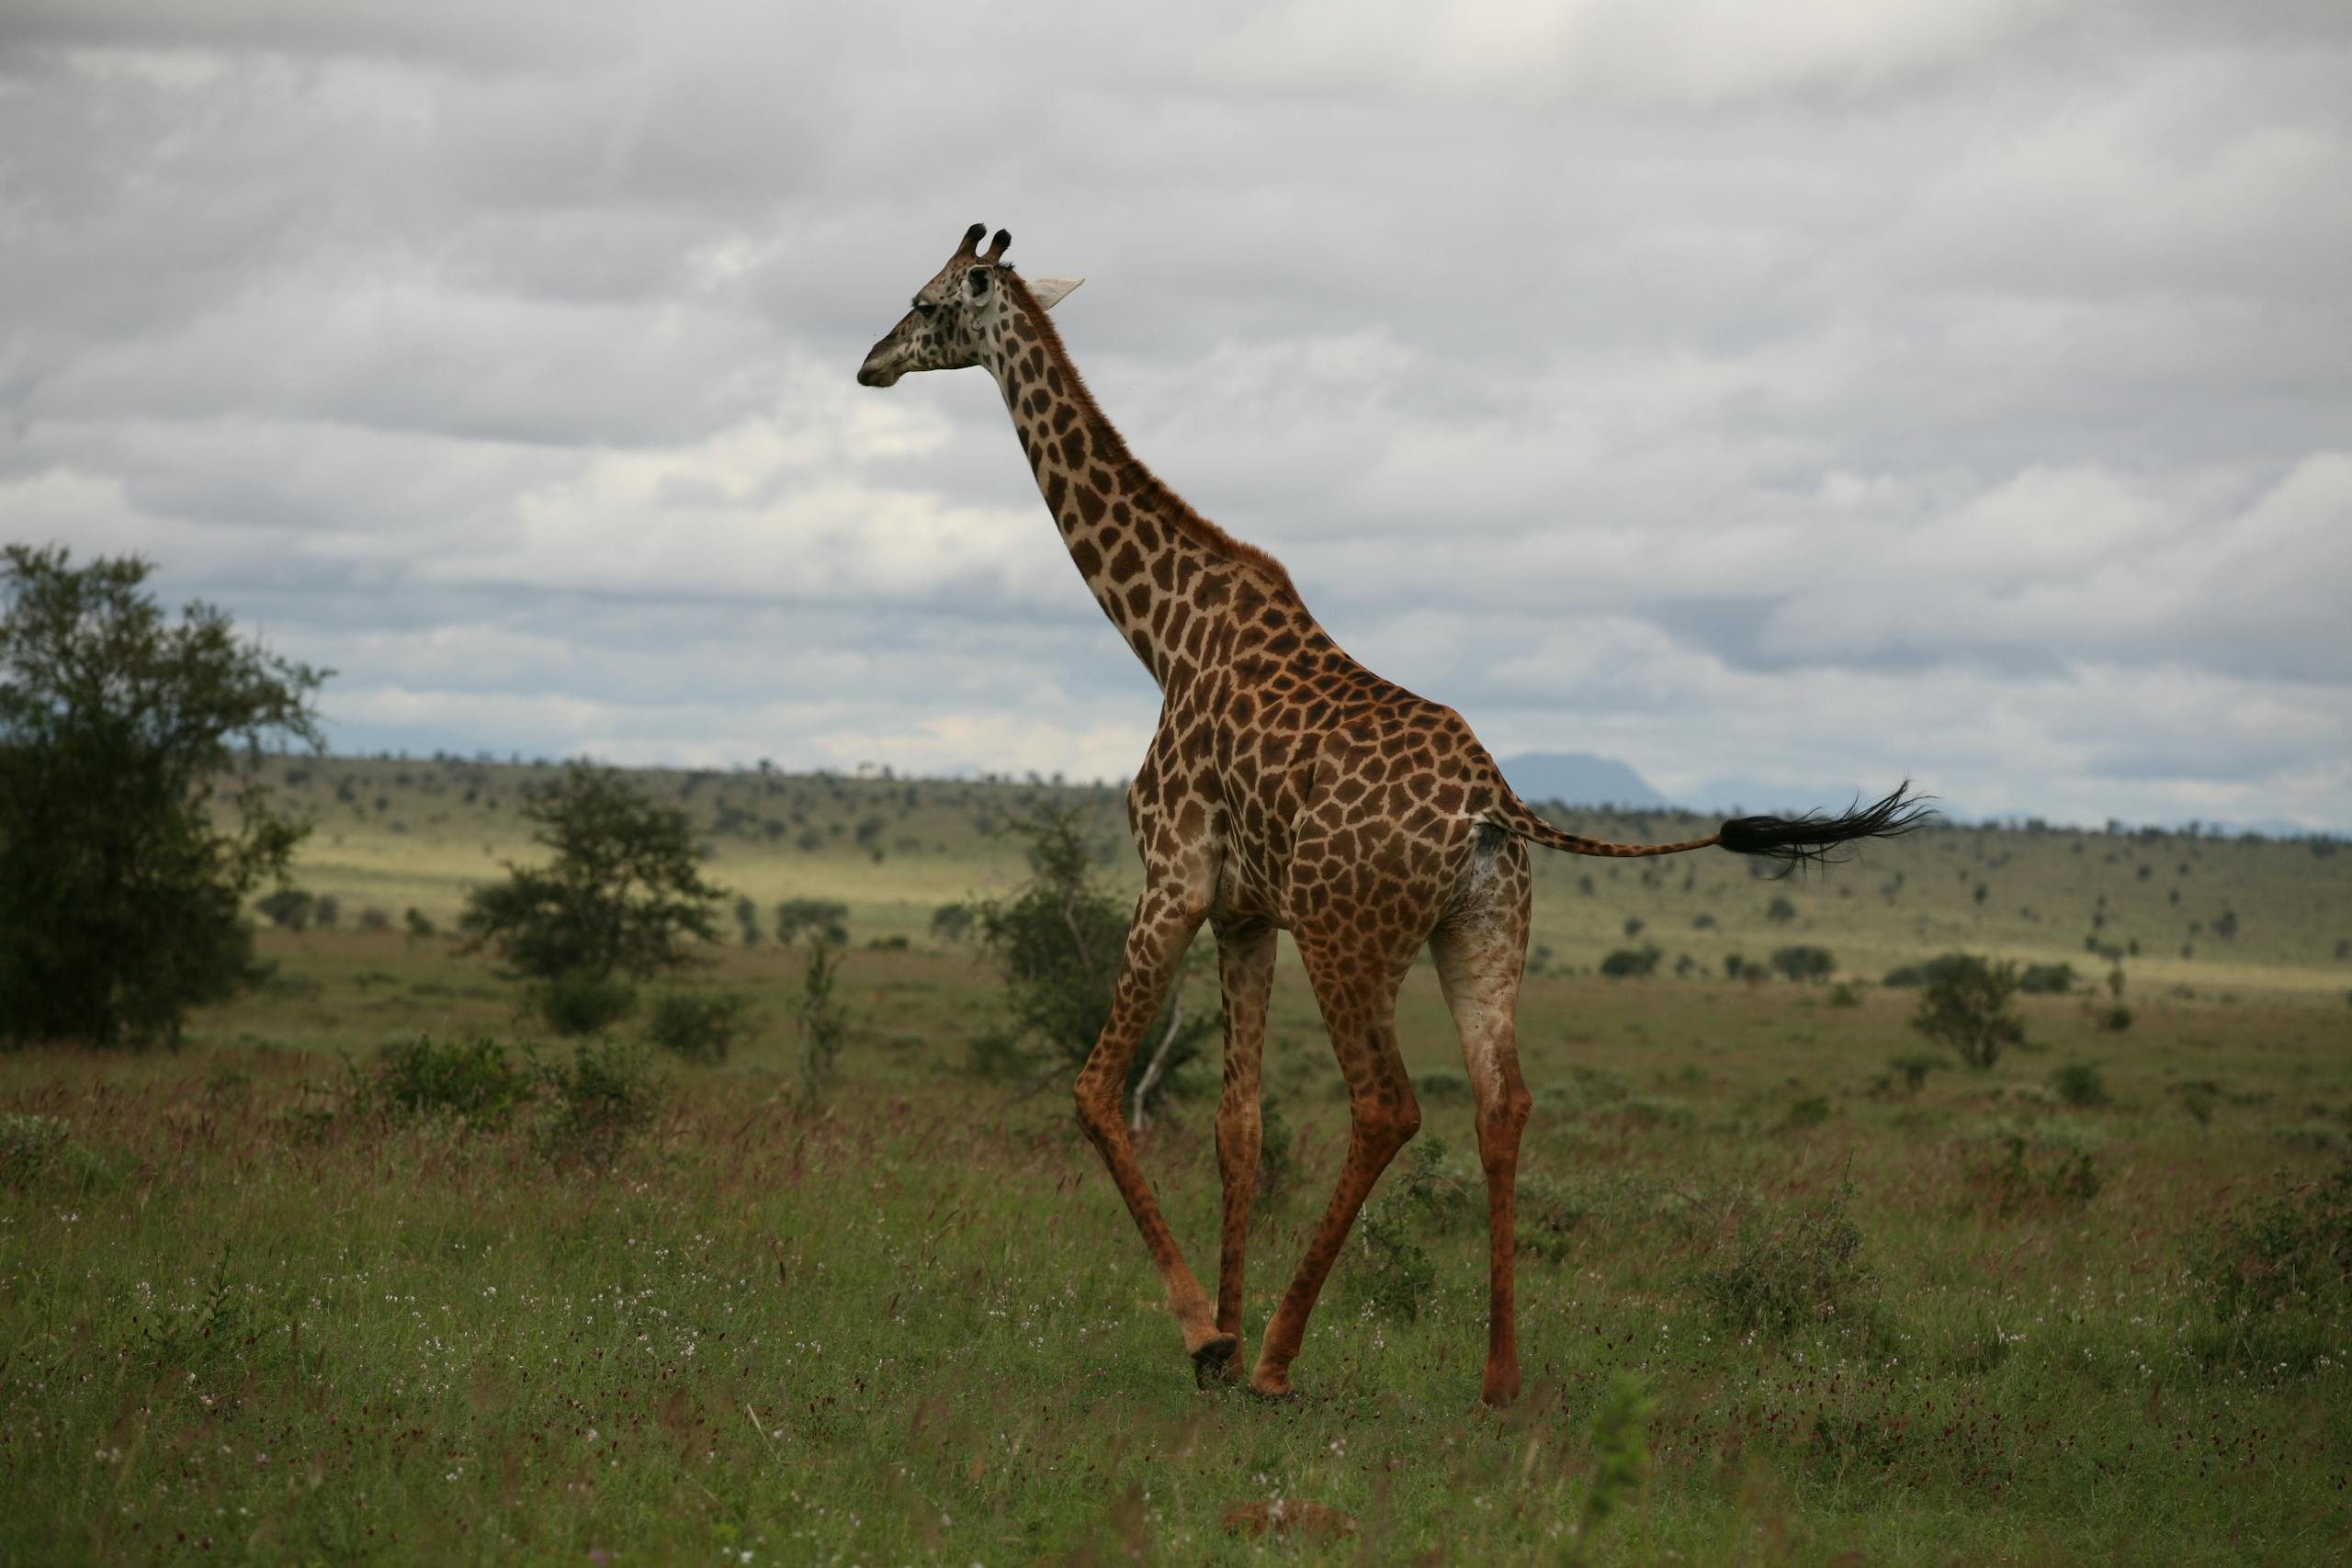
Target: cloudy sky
[1779, 399]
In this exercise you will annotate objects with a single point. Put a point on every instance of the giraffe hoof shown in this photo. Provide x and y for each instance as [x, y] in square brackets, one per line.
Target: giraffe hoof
[1272, 1386]
[1212, 1361]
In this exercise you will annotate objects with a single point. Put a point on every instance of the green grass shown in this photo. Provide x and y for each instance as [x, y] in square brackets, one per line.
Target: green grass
[245, 1318]
[918, 1325]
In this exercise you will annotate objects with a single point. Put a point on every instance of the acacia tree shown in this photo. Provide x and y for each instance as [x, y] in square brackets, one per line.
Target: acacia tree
[1964, 1004]
[133, 823]
[621, 897]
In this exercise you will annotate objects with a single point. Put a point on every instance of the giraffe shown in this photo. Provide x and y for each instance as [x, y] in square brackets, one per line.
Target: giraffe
[1287, 788]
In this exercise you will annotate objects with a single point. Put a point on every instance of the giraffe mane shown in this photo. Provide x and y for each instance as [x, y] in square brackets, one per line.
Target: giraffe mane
[1189, 522]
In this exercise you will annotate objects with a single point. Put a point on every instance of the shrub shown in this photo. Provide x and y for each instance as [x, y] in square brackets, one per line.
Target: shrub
[1964, 1004]
[1620, 1460]
[1916, 1067]
[1627, 962]
[1842, 995]
[328, 913]
[2047, 979]
[1277, 1151]
[1059, 941]
[2079, 1084]
[1779, 911]
[1804, 963]
[582, 1003]
[478, 1082]
[1441, 1085]
[952, 923]
[2200, 1097]
[2014, 1170]
[288, 909]
[818, 1023]
[1810, 1111]
[821, 918]
[2285, 1250]
[602, 1098]
[35, 1150]
[418, 923]
[1390, 1273]
[1800, 1269]
[699, 1026]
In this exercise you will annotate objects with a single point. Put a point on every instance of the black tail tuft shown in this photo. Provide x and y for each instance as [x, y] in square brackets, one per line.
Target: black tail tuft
[1806, 840]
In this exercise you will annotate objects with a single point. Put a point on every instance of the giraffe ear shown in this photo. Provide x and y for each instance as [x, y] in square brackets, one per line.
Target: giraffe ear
[1049, 292]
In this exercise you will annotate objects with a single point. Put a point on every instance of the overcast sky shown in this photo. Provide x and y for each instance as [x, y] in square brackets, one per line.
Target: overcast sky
[1783, 399]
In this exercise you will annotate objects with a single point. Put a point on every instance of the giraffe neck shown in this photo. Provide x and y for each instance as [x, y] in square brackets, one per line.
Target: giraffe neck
[1165, 577]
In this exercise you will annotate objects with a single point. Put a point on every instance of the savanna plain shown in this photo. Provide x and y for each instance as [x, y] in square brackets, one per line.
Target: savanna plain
[1795, 1285]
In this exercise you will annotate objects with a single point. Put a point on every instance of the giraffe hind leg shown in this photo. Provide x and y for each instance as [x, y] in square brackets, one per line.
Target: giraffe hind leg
[1246, 968]
[1357, 991]
[1480, 954]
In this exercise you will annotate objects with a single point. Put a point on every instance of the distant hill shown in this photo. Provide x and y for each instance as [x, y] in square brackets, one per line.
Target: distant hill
[1578, 778]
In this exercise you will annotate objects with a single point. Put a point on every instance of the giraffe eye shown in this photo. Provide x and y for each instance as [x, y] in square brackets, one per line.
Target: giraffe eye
[924, 307]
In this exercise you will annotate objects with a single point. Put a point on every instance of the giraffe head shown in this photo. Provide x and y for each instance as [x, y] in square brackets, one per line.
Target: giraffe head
[959, 317]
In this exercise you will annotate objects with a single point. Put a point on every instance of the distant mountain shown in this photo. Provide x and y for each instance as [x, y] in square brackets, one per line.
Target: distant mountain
[1578, 778]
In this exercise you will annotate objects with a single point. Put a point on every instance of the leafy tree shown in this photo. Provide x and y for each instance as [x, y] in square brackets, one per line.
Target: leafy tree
[1779, 911]
[121, 892]
[1804, 962]
[621, 897]
[1629, 960]
[288, 909]
[1964, 1004]
[1058, 942]
[823, 918]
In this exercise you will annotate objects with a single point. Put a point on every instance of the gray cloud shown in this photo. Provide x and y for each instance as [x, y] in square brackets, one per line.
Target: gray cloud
[1767, 400]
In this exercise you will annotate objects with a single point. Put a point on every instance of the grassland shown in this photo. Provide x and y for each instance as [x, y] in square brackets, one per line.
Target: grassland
[247, 1319]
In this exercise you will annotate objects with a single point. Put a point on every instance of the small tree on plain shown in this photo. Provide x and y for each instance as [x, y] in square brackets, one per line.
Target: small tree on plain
[620, 899]
[1804, 962]
[1964, 1004]
[121, 886]
[1059, 941]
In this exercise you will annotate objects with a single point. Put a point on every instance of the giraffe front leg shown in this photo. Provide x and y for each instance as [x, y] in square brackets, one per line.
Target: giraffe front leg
[1165, 922]
[1246, 969]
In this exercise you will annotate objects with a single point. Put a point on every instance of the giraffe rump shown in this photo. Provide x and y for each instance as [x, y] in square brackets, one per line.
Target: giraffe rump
[1812, 839]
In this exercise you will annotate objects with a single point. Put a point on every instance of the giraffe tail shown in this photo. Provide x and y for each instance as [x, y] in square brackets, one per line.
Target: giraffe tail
[1809, 839]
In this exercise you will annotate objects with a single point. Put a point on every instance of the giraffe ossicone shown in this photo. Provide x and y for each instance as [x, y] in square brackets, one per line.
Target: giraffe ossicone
[1287, 788]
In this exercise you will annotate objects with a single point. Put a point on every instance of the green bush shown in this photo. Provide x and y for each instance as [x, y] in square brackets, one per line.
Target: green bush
[1810, 1111]
[819, 917]
[2285, 1250]
[1629, 962]
[819, 1022]
[597, 1101]
[1277, 1152]
[40, 1150]
[2079, 1084]
[1796, 1269]
[288, 909]
[1964, 1004]
[2013, 1170]
[1915, 1068]
[478, 1082]
[2047, 979]
[582, 1003]
[701, 1026]
[1804, 962]
[1389, 1272]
